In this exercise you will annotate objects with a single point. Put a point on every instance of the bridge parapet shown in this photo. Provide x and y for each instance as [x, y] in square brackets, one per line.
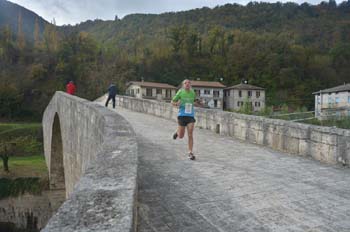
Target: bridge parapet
[326, 144]
[92, 153]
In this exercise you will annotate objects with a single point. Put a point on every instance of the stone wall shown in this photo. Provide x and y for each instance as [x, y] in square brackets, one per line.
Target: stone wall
[91, 152]
[31, 211]
[329, 145]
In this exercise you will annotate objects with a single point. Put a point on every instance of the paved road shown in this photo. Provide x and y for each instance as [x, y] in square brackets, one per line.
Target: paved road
[233, 185]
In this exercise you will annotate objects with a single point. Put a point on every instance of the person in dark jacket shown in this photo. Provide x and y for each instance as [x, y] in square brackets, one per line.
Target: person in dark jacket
[70, 88]
[112, 91]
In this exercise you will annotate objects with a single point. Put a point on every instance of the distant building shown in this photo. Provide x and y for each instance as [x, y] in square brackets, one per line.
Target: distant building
[211, 93]
[333, 102]
[237, 94]
[151, 90]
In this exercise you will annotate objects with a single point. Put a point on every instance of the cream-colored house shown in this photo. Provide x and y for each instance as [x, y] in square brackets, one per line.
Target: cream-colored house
[151, 90]
[210, 93]
[333, 102]
[236, 95]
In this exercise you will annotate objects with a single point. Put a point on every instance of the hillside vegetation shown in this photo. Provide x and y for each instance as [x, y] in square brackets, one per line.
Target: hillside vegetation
[291, 50]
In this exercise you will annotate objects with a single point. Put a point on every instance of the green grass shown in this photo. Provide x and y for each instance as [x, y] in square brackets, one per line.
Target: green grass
[10, 126]
[26, 166]
[27, 174]
[12, 130]
[27, 138]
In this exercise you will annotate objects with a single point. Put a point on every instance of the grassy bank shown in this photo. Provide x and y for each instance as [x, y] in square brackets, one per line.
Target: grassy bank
[27, 174]
[27, 167]
[19, 186]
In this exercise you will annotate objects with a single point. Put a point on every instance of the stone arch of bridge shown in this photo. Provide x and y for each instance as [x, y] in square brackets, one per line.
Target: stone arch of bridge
[57, 176]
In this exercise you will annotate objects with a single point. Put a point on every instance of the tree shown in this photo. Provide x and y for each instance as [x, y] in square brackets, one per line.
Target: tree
[177, 37]
[192, 43]
[216, 40]
[9, 52]
[21, 42]
[50, 38]
[6, 150]
[247, 107]
[36, 34]
[10, 100]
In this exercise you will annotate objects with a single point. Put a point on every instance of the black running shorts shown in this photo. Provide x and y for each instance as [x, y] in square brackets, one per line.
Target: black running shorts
[184, 120]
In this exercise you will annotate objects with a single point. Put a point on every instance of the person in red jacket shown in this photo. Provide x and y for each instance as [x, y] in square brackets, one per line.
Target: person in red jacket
[70, 88]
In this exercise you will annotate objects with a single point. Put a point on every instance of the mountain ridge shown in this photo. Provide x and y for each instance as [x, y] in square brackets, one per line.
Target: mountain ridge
[9, 16]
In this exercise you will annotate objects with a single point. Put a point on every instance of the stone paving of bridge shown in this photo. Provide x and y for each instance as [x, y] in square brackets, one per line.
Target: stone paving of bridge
[233, 185]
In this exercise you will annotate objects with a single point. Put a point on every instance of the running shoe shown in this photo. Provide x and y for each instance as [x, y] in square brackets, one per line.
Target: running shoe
[191, 156]
[175, 135]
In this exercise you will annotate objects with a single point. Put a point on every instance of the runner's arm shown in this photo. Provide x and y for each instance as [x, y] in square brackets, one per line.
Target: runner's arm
[198, 103]
[176, 99]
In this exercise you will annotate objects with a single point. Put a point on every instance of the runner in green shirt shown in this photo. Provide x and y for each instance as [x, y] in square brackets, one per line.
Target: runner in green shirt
[185, 99]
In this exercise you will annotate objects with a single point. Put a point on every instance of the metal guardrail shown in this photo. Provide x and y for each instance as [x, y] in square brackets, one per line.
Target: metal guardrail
[294, 117]
[280, 115]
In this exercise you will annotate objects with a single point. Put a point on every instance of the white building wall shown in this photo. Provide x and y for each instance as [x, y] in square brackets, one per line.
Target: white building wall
[329, 102]
[208, 98]
[141, 92]
[232, 99]
[134, 90]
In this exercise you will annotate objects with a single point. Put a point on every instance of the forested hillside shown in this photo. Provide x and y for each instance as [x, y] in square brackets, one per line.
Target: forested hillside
[291, 50]
[20, 20]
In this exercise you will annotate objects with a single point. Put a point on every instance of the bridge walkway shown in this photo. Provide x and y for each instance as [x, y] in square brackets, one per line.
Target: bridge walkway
[233, 185]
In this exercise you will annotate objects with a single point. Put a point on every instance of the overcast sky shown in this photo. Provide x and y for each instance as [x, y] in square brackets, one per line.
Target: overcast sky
[76, 11]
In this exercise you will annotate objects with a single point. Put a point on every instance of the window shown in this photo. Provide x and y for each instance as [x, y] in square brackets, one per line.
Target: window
[207, 91]
[132, 92]
[238, 103]
[215, 103]
[257, 94]
[216, 93]
[159, 91]
[198, 92]
[249, 93]
[168, 93]
[228, 93]
[138, 91]
[148, 92]
[337, 100]
[240, 93]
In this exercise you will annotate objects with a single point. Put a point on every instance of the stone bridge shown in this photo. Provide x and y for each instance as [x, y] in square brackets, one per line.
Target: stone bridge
[252, 173]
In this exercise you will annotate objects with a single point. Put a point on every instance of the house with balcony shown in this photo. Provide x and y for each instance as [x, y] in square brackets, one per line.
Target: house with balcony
[332, 102]
[210, 93]
[151, 90]
[236, 95]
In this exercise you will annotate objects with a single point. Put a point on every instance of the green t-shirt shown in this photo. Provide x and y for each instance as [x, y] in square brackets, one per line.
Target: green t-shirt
[186, 99]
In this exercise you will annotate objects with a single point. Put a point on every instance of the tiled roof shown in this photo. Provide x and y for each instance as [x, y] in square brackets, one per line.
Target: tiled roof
[340, 88]
[245, 86]
[213, 84]
[151, 84]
